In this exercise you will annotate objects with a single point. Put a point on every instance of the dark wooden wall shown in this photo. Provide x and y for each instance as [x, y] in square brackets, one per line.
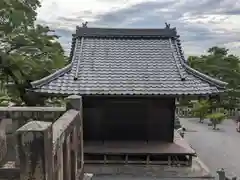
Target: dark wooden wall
[128, 118]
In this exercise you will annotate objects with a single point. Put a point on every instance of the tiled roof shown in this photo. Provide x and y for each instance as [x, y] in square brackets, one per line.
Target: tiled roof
[127, 62]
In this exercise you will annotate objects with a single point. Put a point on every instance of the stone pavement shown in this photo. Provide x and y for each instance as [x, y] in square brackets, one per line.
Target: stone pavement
[216, 148]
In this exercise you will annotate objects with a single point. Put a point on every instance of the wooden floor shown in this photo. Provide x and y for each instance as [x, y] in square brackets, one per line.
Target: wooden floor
[178, 147]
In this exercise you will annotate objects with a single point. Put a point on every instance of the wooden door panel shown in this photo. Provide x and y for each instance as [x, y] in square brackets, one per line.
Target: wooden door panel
[125, 121]
[92, 124]
[159, 125]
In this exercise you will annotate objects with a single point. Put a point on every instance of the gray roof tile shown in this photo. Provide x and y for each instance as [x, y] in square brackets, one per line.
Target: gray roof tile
[127, 65]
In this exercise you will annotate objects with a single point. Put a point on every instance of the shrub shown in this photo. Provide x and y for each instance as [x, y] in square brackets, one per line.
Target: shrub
[216, 118]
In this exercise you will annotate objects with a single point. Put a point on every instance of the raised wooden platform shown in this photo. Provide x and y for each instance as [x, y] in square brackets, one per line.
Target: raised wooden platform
[149, 172]
[139, 152]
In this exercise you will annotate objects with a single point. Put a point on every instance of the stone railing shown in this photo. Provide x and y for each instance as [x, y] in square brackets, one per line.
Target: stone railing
[3, 142]
[50, 150]
[187, 112]
[12, 118]
[15, 117]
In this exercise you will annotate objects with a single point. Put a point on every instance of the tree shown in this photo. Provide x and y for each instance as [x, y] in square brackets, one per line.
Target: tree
[216, 118]
[200, 109]
[185, 101]
[27, 51]
[217, 51]
[221, 65]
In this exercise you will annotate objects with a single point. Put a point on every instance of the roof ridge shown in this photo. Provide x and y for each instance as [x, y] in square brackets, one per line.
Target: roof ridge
[174, 57]
[195, 72]
[125, 32]
[78, 62]
[109, 28]
[72, 46]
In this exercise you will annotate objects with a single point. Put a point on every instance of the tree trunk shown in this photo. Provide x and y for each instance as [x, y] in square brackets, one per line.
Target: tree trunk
[201, 119]
[214, 125]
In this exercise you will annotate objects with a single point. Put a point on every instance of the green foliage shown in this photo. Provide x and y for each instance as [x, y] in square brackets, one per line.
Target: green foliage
[55, 102]
[4, 99]
[221, 65]
[216, 118]
[201, 109]
[185, 101]
[8, 99]
[17, 14]
[27, 51]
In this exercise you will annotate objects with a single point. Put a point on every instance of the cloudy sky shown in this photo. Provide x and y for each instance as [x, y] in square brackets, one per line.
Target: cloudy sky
[200, 23]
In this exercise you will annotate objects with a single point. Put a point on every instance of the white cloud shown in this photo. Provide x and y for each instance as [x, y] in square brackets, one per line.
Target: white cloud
[232, 23]
[201, 24]
[52, 9]
[215, 22]
[66, 14]
[233, 45]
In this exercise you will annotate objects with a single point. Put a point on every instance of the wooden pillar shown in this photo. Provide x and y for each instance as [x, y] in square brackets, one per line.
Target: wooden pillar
[75, 102]
[34, 147]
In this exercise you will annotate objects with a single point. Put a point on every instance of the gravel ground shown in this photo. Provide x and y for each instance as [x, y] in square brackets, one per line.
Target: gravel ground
[216, 148]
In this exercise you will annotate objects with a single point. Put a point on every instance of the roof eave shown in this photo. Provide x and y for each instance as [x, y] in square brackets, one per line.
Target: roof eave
[51, 77]
[59, 72]
[216, 82]
[125, 94]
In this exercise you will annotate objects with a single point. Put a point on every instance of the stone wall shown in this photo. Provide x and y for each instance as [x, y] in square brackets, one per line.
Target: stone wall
[48, 150]
[186, 112]
[12, 118]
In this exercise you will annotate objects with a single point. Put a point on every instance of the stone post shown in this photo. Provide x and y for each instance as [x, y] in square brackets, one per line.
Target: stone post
[34, 147]
[75, 102]
[3, 139]
[67, 158]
